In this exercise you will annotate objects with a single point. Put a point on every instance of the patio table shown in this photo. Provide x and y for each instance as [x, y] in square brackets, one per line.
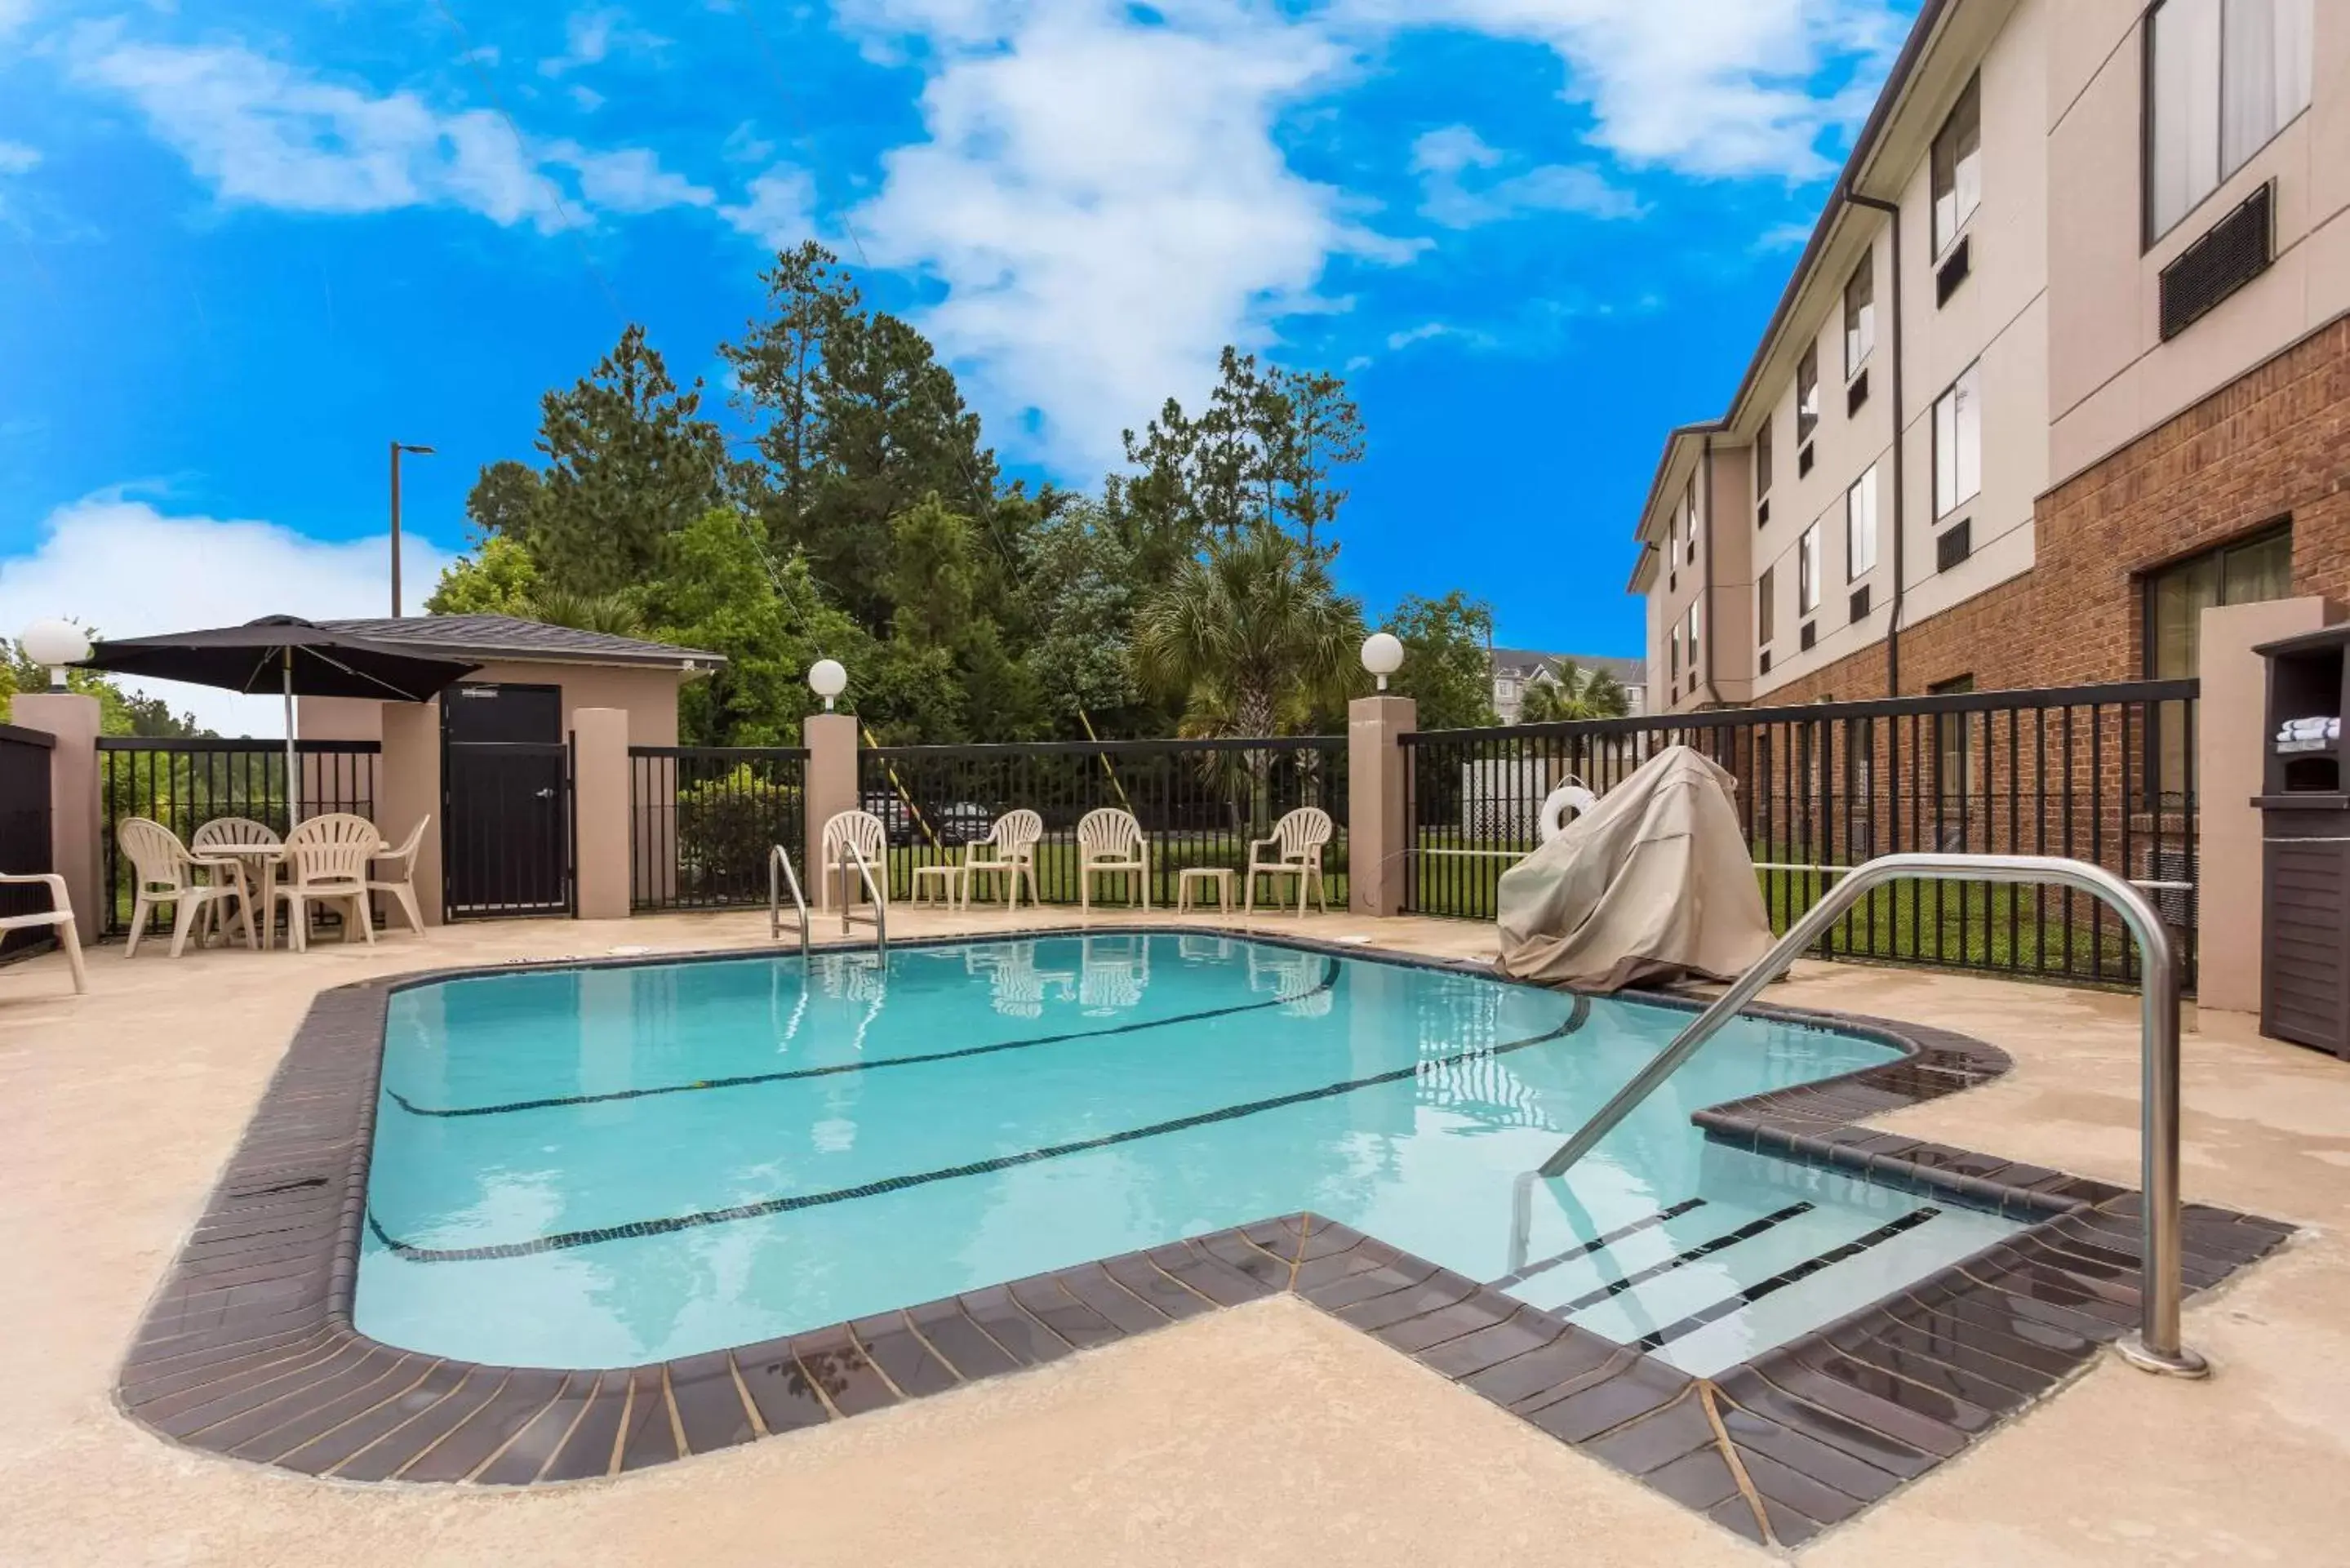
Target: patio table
[247, 860]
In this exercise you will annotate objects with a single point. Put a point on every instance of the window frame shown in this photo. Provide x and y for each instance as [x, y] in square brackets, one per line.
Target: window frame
[1865, 273]
[1852, 571]
[1958, 500]
[1763, 455]
[1673, 650]
[1807, 368]
[1689, 505]
[2149, 581]
[1696, 626]
[1971, 94]
[2150, 236]
[1766, 606]
[1807, 571]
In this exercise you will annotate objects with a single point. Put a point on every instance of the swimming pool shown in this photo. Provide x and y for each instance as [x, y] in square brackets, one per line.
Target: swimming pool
[608, 1166]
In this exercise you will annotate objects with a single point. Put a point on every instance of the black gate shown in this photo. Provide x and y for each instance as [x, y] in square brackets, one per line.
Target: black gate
[24, 829]
[505, 802]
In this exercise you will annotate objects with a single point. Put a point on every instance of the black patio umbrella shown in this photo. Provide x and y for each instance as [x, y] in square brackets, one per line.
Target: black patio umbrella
[284, 654]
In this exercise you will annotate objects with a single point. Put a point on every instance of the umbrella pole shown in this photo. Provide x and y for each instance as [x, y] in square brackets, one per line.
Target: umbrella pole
[293, 781]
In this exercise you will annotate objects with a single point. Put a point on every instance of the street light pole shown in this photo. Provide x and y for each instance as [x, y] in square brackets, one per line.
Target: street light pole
[397, 448]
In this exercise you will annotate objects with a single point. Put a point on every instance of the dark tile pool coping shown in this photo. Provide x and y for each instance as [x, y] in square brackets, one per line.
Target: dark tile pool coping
[248, 1350]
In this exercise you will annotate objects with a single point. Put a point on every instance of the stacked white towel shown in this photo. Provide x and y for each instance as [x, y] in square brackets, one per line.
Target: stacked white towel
[2307, 734]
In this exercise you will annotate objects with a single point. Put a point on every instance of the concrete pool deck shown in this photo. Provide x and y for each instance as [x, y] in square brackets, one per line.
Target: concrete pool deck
[1265, 1433]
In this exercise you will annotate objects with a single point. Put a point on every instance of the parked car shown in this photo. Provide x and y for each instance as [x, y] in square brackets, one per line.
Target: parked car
[961, 822]
[897, 820]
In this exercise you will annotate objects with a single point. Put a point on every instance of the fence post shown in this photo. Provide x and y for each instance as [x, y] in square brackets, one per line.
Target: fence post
[408, 791]
[1378, 837]
[2231, 747]
[599, 804]
[76, 820]
[830, 789]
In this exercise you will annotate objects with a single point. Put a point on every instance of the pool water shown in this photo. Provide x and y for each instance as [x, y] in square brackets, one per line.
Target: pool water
[605, 1166]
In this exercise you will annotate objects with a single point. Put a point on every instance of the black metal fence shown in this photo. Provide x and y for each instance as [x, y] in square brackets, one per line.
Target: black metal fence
[1200, 802]
[2102, 774]
[24, 843]
[701, 820]
[185, 784]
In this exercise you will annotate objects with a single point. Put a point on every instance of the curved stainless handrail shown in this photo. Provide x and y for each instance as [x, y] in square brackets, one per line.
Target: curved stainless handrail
[880, 918]
[2154, 1347]
[777, 858]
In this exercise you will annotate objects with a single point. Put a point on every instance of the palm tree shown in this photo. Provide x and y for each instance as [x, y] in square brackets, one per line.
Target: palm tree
[1251, 635]
[615, 613]
[1576, 693]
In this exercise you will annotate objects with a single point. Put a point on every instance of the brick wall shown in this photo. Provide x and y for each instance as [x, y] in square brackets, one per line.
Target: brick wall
[2276, 442]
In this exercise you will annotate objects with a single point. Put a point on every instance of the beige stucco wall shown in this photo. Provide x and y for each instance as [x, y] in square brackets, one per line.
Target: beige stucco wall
[649, 697]
[2111, 377]
[600, 830]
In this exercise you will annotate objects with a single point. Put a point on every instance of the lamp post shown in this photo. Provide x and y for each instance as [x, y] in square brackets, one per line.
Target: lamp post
[1382, 656]
[397, 448]
[828, 679]
[55, 643]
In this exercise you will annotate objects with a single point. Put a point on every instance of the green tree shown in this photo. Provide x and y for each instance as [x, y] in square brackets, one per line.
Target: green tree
[1446, 666]
[1082, 584]
[506, 501]
[1577, 693]
[1250, 635]
[118, 712]
[777, 368]
[499, 577]
[629, 462]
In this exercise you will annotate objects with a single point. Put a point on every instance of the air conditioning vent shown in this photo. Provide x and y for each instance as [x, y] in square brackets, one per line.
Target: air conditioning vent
[1764, 663]
[1860, 602]
[1856, 394]
[1954, 546]
[1803, 461]
[1761, 513]
[1953, 271]
[1810, 634]
[2238, 249]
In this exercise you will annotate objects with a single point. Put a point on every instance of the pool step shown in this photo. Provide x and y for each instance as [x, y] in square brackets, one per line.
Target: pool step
[1705, 1283]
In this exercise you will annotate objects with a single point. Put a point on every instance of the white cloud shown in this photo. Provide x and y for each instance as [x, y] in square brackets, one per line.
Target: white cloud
[1702, 87]
[1445, 160]
[743, 144]
[591, 37]
[1104, 200]
[13, 13]
[16, 158]
[780, 209]
[128, 570]
[587, 98]
[269, 134]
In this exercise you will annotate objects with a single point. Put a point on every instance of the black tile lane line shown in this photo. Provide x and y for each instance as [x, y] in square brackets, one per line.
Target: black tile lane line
[1329, 980]
[772, 1206]
[1543, 1265]
[1746, 1233]
[1781, 1281]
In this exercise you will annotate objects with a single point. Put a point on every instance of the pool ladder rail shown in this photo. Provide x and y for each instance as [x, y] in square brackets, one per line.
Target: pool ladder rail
[2156, 1347]
[780, 875]
[879, 919]
[781, 878]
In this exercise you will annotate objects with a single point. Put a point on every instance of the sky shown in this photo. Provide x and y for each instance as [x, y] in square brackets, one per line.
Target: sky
[245, 246]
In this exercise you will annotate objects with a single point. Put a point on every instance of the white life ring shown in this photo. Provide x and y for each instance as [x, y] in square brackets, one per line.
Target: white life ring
[1569, 796]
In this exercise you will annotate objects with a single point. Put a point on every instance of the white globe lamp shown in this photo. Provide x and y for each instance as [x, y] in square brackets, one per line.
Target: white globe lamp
[55, 643]
[828, 679]
[1382, 656]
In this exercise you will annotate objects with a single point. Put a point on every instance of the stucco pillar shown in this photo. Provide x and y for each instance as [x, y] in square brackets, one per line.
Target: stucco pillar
[599, 804]
[407, 790]
[2231, 747]
[831, 790]
[1378, 837]
[77, 821]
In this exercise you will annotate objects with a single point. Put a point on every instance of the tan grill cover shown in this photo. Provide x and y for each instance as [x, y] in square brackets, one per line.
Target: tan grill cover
[1655, 881]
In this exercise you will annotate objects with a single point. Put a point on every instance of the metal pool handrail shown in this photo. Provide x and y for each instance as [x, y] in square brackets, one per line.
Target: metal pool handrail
[777, 859]
[2154, 1347]
[879, 919]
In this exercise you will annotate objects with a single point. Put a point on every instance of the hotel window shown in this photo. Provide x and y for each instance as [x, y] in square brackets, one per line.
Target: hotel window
[1956, 754]
[1958, 443]
[1762, 460]
[1766, 606]
[1689, 510]
[1807, 571]
[1808, 394]
[2247, 571]
[1859, 315]
[1958, 167]
[1860, 526]
[1694, 622]
[2223, 77]
[1673, 649]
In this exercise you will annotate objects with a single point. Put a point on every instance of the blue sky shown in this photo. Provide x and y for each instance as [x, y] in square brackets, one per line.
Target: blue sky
[242, 246]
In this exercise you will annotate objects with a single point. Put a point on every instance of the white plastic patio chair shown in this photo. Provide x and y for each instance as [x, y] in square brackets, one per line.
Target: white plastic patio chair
[58, 916]
[1008, 852]
[223, 830]
[327, 862]
[1296, 843]
[399, 883]
[163, 872]
[1111, 844]
[866, 833]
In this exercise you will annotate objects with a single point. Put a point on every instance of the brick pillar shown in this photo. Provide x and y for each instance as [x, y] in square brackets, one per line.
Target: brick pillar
[408, 791]
[831, 790]
[77, 821]
[599, 804]
[2231, 739]
[1377, 834]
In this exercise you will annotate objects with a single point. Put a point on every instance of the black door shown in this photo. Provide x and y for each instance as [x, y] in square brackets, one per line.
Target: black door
[505, 800]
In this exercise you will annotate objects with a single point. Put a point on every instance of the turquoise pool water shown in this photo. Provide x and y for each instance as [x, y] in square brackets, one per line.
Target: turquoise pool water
[609, 1166]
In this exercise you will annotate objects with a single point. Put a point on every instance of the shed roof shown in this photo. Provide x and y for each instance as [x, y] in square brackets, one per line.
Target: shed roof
[502, 636]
